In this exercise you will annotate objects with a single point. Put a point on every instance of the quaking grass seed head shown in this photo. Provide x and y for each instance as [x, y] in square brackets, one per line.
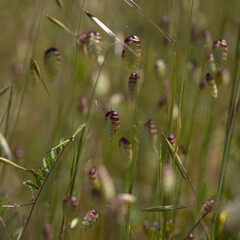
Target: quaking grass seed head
[211, 64]
[125, 148]
[112, 122]
[131, 55]
[208, 39]
[69, 206]
[212, 86]
[172, 139]
[93, 178]
[90, 219]
[160, 69]
[208, 206]
[52, 62]
[94, 45]
[151, 130]
[47, 232]
[191, 236]
[133, 84]
[220, 50]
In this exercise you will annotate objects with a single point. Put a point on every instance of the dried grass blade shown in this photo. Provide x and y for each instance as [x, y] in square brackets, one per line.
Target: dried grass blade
[3, 90]
[60, 24]
[100, 24]
[37, 70]
[132, 4]
[5, 147]
[6, 161]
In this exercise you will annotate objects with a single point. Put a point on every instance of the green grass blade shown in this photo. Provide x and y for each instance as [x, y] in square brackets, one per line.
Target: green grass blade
[163, 208]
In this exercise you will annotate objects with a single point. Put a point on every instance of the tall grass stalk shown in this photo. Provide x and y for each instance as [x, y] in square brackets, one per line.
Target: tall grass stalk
[230, 127]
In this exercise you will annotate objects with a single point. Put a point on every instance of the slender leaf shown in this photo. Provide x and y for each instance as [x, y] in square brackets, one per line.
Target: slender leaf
[5, 147]
[59, 24]
[4, 160]
[3, 90]
[163, 208]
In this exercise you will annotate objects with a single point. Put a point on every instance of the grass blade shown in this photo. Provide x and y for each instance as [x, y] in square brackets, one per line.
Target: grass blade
[60, 24]
[37, 70]
[163, 208]
[6, 161]
[5, 147]
[3, 90]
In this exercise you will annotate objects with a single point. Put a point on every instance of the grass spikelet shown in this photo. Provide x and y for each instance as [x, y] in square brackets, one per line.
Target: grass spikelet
[212, 86]
[52, 61]
[211, 64]
[93, 178]
[69, 206]
[133, 83]
[220, 49]
[132, 58]
[112, 122]
[106, 184]
[90, 219]
[94, 45]
[151, 130]
[160, 69]
[125, 148]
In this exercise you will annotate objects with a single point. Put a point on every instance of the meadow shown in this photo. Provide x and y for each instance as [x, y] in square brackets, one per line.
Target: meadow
[119, 119]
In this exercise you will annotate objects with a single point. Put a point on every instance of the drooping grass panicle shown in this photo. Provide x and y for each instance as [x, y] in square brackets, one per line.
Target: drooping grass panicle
[90, 219]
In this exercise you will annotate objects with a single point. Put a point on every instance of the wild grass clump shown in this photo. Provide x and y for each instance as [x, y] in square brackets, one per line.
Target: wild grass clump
[119, 120]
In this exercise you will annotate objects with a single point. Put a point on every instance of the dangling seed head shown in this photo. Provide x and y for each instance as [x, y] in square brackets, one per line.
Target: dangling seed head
[211, 64]
[47, 231]
[133, 83]
[93, 178]
[151, 130]
[160, 69]
[220, 52]
[168, 179]
[90, 219]
[125, 148]
[52, 62]
[169, 225]
[202, 84]
[212, 86]
[106, 184]
[83, 42]
[94, 45]
[82, 104]
[172, 139]
[190, 236]
[132, 55]
[69, 206]
[208, 206]
[112, 120]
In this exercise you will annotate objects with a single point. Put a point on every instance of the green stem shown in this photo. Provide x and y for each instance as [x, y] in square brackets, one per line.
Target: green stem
[230, 127]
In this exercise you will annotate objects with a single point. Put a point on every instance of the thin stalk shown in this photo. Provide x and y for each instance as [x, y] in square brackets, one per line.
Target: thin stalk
[227, 145]
[225, 17]
[186, 58]
[37, 21]
[81, 142]
[204, 151]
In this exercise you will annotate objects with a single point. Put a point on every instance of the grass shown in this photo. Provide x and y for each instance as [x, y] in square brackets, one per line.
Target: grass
[170, 183]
